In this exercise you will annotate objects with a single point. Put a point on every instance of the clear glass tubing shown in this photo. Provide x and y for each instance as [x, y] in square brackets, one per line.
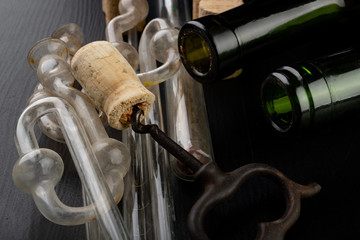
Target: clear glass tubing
[187, 122]
[148, 205]
[38, 170]
[190, 109]
[72, 35]
[132, 13]
[87, 141]
[186, 114]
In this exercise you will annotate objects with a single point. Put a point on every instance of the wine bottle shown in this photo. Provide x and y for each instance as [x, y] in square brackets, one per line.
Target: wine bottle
[306, 94]
[218, 46]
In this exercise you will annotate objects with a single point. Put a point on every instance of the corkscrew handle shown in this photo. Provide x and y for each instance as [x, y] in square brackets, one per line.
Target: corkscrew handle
[220, 186]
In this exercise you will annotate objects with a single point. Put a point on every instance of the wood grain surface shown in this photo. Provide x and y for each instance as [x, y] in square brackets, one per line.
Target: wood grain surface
[240, 135]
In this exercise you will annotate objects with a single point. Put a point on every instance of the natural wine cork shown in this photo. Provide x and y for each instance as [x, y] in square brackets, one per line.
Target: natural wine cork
[209, 7]
[195, 13]
[110, 82]
[111, 9]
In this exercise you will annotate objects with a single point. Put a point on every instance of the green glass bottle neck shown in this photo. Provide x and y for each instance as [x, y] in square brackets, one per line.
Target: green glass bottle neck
[306, 94]
[287, 100]
[207, 46]
[257, 29]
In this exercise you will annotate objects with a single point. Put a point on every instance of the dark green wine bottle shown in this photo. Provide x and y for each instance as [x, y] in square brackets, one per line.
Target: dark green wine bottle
[306, 94]
[217, 46]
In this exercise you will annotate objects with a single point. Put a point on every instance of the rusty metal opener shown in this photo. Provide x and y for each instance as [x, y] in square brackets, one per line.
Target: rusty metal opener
[220, 186]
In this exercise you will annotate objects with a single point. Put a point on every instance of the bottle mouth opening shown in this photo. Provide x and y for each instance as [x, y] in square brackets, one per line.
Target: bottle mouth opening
[277, 104]
[44, 47]
[195, 53]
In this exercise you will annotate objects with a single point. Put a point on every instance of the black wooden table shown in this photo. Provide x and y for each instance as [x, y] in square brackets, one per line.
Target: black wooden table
[240, 135]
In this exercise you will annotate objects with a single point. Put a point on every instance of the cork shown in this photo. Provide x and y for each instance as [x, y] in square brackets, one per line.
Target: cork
[195, 13]
[210, 7]
[110, 9]
[110, 82]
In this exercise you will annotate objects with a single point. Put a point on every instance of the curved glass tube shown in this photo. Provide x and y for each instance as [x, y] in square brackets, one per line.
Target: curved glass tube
[38, 170]
[162, 48]
[132, 12]
[72, 35]
[55, 75]
[47, 124]
[50, 59]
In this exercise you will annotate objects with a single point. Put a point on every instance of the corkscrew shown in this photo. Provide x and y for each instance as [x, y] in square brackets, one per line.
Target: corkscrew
[220, 186]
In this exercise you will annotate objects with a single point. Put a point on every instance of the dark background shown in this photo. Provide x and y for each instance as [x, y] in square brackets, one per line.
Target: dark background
[240, 135]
